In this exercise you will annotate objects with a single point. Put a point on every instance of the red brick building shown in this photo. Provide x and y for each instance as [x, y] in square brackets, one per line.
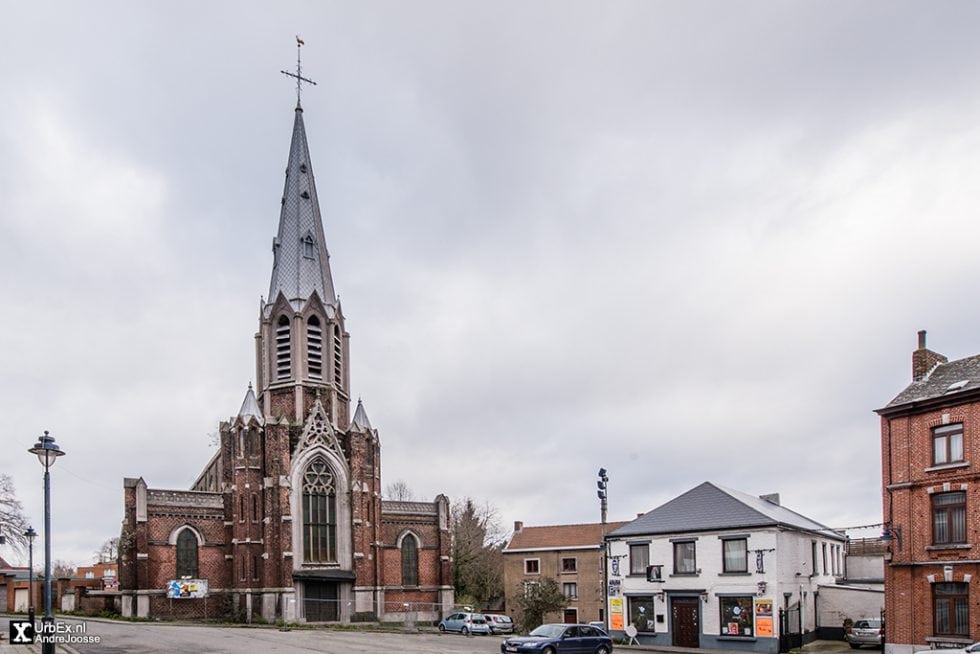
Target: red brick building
[286, 521]
[930, 444]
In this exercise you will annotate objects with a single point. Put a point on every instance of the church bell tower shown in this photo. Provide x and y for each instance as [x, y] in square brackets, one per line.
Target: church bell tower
[302, 344]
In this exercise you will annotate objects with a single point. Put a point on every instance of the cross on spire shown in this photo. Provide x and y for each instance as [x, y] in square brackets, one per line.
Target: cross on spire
[299, 72]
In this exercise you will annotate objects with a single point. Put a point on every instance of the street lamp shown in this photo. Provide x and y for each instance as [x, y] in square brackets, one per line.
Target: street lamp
[47, 451]
[603, 484]
[888, 533]
[30, 534]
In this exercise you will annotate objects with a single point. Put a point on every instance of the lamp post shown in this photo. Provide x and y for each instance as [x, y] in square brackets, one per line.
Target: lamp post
[30, 534]
[603, 484]
[47, 451]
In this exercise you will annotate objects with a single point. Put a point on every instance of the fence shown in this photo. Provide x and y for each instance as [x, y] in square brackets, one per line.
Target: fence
[790, 628]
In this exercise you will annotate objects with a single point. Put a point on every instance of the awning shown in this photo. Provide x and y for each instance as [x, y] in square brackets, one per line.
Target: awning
[325, 574]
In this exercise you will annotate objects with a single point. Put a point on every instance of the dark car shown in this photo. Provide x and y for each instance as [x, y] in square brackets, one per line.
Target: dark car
[560, 639]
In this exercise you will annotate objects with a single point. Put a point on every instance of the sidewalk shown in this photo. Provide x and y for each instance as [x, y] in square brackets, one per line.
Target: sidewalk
[815, 647]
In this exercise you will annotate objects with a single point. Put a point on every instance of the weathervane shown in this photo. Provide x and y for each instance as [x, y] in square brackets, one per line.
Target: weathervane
[299, 71]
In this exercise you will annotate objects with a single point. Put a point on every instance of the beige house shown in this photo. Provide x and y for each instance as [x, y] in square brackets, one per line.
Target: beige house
[570, 555]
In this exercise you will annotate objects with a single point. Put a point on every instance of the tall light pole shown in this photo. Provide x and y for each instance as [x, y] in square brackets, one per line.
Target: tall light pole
[47, 451]
[603, 485]
[30, 534]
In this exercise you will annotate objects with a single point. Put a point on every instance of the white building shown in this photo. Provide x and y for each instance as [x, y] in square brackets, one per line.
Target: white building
[713, 568]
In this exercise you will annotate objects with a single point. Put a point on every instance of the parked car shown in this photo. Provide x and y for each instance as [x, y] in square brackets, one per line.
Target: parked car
[499, 624]
[560, 638]
[465, 623]
[864, 632]
[969, 649]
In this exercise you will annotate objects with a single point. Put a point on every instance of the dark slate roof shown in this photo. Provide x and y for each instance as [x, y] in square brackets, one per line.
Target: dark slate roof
[295, 272]
[360, 418]
[710, 507]
[939, 382]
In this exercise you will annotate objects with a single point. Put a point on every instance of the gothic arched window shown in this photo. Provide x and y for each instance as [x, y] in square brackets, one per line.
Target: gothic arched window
[186, 554]
[319, 514]
[282, 348]
[410, 561]
[314, 347]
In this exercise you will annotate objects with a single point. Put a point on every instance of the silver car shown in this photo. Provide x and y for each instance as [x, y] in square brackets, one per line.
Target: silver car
[864, 632]
[500, 624]
[465, 623]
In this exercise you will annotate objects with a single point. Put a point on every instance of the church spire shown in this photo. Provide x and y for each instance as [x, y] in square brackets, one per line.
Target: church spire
[301, 263]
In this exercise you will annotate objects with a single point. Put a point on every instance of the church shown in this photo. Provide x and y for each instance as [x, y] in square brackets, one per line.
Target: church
[287, 521]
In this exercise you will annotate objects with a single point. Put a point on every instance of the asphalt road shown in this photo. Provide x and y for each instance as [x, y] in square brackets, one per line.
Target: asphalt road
[144, 638]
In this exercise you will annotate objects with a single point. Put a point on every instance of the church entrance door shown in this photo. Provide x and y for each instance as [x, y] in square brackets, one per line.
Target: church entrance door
[320, 602]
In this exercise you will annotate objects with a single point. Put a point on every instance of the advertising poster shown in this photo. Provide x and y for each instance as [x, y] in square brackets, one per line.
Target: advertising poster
[616, 613]
[187, 588]
[763, 618]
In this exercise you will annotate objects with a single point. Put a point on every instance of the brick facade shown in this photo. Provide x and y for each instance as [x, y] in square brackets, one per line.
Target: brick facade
[292, 444]
[548, 547]
[925, 561]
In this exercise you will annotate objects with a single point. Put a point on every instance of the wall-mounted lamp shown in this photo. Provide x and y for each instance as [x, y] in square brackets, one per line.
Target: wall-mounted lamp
[762, 588]
[659, 596]
[704, 597]
[888, 532]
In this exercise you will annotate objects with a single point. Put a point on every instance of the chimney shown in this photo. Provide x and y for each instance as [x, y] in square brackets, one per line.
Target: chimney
[924, 359]
[518, 525]
[772, 498]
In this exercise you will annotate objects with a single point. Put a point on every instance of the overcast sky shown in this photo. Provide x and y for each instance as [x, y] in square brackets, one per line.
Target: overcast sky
[685, 241]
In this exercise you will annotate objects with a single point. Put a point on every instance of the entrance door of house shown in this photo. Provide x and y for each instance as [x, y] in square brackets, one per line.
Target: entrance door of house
[20, 600]
[320, 601]
[685, 621]
[570, 616]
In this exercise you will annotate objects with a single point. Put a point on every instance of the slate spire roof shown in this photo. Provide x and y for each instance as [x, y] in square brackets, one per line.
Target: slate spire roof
[250, 407]
[361, 418]
[711, 507]
[302, 263]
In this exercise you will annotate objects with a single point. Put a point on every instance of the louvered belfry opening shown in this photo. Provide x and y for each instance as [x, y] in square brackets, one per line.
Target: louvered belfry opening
[314, 348]
[338, 358]
[282, 348]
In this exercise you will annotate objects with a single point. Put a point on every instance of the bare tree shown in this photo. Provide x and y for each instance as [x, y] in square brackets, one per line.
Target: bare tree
[538, 598]
[13, 522]
[60, 569]
[478, 562]
[399, 490]
[109, 551]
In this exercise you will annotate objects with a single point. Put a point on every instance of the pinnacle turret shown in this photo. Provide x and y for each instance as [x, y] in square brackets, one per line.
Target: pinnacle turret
[360, 418]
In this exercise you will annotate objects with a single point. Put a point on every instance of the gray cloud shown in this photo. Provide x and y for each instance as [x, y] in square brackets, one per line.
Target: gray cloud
[683, 241]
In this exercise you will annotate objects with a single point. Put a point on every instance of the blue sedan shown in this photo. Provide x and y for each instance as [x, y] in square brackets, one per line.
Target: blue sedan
[560, 639]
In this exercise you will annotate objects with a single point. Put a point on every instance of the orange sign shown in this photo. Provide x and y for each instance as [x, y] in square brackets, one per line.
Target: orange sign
[763, 618]
[616, 613]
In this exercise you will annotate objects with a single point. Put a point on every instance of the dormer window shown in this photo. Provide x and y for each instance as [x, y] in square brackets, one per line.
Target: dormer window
[309, 247]
[302, 168]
